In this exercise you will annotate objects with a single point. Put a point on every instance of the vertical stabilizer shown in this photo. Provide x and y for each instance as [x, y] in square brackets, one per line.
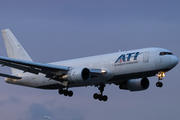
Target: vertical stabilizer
[14, 48]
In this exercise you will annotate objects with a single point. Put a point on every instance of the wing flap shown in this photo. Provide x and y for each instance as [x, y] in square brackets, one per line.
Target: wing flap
[20, 67]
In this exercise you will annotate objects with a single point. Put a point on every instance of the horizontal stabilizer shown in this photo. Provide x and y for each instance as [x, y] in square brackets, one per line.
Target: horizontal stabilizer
[10, 76]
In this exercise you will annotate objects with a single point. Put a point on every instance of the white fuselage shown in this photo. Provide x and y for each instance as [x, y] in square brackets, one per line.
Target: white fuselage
[121, 66]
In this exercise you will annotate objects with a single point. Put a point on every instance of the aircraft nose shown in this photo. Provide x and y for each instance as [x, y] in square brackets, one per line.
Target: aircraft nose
[174, 61]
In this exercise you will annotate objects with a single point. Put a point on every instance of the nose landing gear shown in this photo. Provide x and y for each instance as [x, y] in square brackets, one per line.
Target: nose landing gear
[160, 76]
[100, 96]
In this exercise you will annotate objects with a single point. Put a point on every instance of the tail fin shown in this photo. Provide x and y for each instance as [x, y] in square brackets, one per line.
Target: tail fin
[14, 48]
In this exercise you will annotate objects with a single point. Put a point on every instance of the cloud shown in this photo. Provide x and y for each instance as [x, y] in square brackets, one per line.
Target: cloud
[12, 107]
[10, 100]
[38, 112]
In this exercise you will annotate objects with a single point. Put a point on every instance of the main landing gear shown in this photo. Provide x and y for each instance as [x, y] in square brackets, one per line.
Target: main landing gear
[66, 92]
[100, 96]
[160, 76]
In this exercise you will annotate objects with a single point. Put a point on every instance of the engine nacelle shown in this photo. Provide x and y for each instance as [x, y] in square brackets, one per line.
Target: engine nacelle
[79, 74]
[136, 84]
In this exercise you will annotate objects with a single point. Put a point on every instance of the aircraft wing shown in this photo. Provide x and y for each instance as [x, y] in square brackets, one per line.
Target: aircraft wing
[32, 67]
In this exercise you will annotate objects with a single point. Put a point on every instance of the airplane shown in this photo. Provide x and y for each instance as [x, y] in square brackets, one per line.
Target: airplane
[47, 117]
[127, 69]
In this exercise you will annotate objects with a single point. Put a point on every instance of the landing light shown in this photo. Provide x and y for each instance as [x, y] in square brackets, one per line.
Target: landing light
[163, 74]
[103, 71]
[160, 75]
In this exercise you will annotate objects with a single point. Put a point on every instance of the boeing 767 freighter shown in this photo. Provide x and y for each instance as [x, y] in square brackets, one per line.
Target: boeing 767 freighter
[128, 69]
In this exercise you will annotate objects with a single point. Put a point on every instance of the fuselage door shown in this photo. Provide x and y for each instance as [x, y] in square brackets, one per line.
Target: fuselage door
[146, 57]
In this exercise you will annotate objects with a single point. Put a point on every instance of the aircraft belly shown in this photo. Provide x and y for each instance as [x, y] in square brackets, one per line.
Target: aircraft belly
[117, 79]
[31, 80]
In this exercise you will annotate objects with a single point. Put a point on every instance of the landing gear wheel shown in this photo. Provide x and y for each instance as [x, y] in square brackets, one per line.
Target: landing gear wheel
[105, 98]
[61, 91]
[95, 96]
[66, 92]
[100, 97]
[70, 93]
[159, 84]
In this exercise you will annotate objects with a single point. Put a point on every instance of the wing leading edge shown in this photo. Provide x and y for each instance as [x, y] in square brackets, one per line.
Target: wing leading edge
[32, 67]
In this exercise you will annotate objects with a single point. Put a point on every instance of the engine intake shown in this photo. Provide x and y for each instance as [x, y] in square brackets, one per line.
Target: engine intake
[136, 84]
[79, 74]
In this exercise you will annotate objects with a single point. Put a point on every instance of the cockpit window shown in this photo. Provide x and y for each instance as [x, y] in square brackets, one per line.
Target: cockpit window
[165, 53]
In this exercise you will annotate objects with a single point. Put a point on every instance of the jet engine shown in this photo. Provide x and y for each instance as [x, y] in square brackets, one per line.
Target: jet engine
[135, 84]
[78, 74]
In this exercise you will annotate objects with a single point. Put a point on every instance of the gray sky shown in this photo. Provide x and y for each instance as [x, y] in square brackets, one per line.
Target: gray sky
[54, 30]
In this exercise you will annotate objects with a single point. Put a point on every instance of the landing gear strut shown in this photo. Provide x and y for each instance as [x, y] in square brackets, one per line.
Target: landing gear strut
[160, 76]
[100, 96]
